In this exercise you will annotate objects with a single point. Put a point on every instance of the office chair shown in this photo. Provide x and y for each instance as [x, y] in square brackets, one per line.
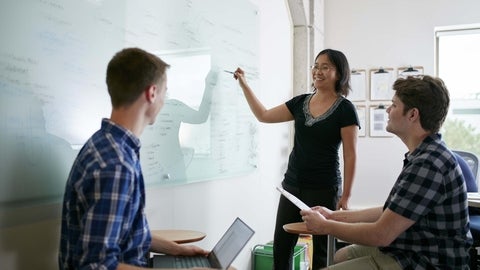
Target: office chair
[469, 164]
[471, 159]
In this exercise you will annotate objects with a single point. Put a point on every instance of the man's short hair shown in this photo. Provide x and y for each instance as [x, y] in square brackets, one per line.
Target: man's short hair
[130, 72]
[429, 95]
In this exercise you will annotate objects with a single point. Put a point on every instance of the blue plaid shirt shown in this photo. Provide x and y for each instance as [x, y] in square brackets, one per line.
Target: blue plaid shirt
[103, 219]
[431, 191]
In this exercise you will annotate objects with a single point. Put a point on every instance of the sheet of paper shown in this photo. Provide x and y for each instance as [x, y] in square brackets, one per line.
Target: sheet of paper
[293, 199]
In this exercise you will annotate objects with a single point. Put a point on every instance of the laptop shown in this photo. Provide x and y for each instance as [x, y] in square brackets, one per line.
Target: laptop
[222, 254]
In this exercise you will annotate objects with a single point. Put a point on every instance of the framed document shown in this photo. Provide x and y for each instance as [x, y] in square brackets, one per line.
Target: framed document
[404, 72]
[381, 81]
[358, 81]
[378, 121]
[362, 116]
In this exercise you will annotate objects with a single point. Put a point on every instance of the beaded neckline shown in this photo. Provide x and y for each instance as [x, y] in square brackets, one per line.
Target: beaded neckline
[309, 119]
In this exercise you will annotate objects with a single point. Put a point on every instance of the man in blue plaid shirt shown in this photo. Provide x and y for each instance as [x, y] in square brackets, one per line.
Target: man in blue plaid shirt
[424, 222]
[103, 218]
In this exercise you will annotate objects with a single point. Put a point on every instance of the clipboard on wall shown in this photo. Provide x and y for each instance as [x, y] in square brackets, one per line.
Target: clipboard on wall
[358, 81]
[378, 121]
[404, 72]
[362, 119]
[381, 82]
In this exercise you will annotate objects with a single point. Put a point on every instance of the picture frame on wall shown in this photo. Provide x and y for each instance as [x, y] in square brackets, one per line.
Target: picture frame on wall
[359, 85]
[403, 72]
[378, 121]
[381, 81]
[362, 119]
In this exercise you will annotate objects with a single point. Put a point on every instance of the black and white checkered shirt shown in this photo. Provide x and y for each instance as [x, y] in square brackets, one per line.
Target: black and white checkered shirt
[431, 191]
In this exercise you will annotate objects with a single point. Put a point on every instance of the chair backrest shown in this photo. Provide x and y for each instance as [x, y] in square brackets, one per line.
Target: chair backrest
[469, 163]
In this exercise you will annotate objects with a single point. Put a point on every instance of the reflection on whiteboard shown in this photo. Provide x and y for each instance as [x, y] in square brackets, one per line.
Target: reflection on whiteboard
[201, 132]
[33, 163]
[182, 128]
[186, 78]
[221, 140]
[53, 93]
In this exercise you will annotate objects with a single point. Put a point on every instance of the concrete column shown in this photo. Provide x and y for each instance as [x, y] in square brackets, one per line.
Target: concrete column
[307, 19]
[301, 59]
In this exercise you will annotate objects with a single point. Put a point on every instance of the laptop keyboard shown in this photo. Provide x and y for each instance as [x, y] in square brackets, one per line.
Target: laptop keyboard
[191, 261]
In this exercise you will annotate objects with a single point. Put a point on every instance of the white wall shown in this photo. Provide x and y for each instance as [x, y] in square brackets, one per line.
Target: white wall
[375, 33]
[207, 206]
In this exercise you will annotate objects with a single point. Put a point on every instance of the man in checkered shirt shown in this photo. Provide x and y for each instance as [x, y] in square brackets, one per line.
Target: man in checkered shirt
[104, 225]
[424, 222]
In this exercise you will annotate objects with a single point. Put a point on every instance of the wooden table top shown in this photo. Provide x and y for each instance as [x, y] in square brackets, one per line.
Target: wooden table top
[297, 228]
[180, 236]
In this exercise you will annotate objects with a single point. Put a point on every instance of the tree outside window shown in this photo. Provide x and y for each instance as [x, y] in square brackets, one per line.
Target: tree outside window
[457, 63]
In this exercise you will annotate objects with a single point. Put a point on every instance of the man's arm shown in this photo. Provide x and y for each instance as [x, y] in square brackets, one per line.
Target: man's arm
[381, 232]
[161, 245]
[351, 216]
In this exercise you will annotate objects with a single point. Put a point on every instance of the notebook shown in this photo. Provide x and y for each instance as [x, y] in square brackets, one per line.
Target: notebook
[222, 254]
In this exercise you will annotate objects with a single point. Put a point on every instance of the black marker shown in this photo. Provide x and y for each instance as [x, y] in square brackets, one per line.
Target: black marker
[228, 71]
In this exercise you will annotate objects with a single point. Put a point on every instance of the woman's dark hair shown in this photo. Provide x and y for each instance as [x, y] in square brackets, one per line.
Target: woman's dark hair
[339, 60]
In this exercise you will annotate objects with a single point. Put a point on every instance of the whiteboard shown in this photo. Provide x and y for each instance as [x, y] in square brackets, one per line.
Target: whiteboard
[53, 95]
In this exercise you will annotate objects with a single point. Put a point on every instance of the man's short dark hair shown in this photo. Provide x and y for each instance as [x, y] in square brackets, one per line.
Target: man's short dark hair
[429, 95]
[130, 72]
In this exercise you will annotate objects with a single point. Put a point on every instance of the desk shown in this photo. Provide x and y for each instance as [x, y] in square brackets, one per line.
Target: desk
[301, 228]
[473, 199]
[180, 236]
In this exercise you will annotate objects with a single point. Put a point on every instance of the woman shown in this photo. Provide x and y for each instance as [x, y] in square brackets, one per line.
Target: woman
[323, 119]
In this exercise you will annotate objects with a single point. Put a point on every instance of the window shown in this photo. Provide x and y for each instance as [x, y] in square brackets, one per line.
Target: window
[457, 62]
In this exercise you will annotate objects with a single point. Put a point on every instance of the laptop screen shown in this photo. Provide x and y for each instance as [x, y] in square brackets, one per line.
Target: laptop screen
[232, 242]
